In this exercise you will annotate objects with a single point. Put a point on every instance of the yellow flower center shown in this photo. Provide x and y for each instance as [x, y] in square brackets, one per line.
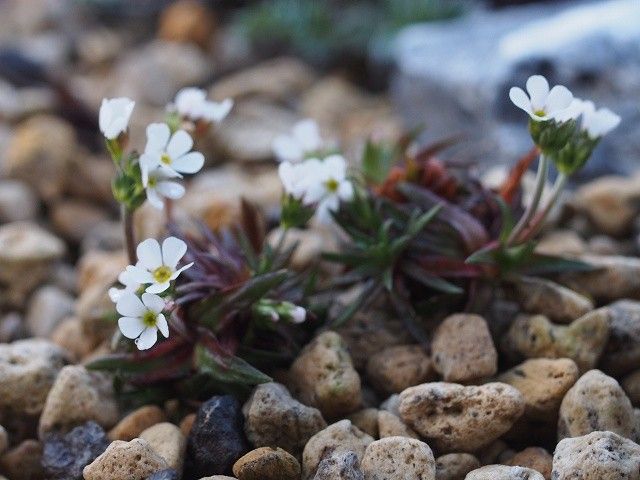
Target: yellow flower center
[152, 182]
[331, 185]
[162, 274]
[539, 113]
[166, 159]
[149, 318]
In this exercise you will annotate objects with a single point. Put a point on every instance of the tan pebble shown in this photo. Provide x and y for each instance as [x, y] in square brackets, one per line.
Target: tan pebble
[398, 457]
[23, 462]
[390, 425]
[266, 463]
[503, 472]
[134, 460]
[186, 423]
[167, 440]
[399, 367]
[535, 458]
[455, 466]
[135, 422]
[366, 420]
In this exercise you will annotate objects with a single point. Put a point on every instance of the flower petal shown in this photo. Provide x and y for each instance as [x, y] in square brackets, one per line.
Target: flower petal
[147, 339]
[131, 327]
[520, 99]
[163, 326]
[170, 189]
[153, 302]
[538, 89]
[345, 191]
[336, 166]
[600, 122]
[286, 149]
[129, 305]
[139, 274]
[148, 162]
[190, 163]
[307, 133]
[180, 270]
[173, 249]
[154, 198]
[180, 143]
[149, 254]
[559, 98]
[157, 137]
[158, 287]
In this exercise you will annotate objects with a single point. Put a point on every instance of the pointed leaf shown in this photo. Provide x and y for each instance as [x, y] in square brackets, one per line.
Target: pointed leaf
[229, 370]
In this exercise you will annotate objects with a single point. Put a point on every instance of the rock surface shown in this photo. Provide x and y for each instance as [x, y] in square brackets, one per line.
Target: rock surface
[461, 419]
[398, 457]
[596, 456]
[399, 367]
[535, 458]
[622, 353]
[267, 463]
[323, 376]
[503, 472]
[274, 418]
[134, 460]
[455, 466]
[462, 349]
[135, 422]
[339, 466]
[168, 441]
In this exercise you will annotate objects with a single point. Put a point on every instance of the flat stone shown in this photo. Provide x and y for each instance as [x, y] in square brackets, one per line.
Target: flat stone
[396, 368]
[461, 419]
[389, 425]
[76, 397]
[49, 305]
[341, 437]
[323, 376]
[596, 403]
[266, 463]
[274, 418]
[167, 440]
[622, 353]
[596, 456]
[23, 462]
[462, 349]
[134, 460]
[503, 472]
[535, 458]
[543, 383]
[18, 202]
[398, 457]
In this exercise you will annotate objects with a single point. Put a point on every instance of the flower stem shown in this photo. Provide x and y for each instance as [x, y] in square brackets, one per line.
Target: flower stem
[541, 178]
[558, 187]
[129, 237]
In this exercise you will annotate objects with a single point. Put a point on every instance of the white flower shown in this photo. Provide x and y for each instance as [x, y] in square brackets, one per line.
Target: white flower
[327, 184]
[192, 103]
[141, 319]
[298, 314]
[295, 177]
[304, 139]
[114, 116]
[159, 186]
[541, 103]
[598, 122]
[169, 152]
[572, 112]
[130, 286]
[156, 265]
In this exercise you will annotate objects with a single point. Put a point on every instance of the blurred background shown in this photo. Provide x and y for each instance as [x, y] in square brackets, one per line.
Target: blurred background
[361, 68]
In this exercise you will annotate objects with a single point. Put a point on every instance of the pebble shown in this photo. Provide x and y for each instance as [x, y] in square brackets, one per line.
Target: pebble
[389, 425]
[583, 340]
[78, 396]
[596, 456]
[48, 306]
[216, 439]
[69, 335]
[462, 349]
[455, 466]
[622, 354]
[266, 463]
[337, 438]
[18, 202]
[25, 247]
[41, 153]
[557, 303]
[28, 369]
[399, 367]
[543, 383]
[503, 472]
[366, 420]
[323, 376]
[458, 418]
[65, 456]
[4, 440]
[75, 219]
[596, 402]
[168, 441]
[273, 418]
[613, 277]
[398, 457]
[187, 21]
[187, 423]
[631, 385]
[23, 462]
[135, 422]
[339, 466]
[535, 458]
[166, 474]
[134, 460]
[561, 243]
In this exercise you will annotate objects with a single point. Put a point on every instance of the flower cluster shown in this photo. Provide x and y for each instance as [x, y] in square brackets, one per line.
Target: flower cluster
[312, 175]
[168, 152]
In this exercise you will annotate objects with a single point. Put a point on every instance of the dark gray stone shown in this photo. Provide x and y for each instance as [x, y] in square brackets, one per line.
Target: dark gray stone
[217, 437]
[64, 456]
[166, 474]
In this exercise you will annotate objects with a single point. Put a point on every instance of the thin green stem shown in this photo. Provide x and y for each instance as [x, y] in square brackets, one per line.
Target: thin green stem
[129, 237]
[541, 179]
[557, 189]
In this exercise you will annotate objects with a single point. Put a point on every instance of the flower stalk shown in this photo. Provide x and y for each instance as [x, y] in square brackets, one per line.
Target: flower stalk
[129, 234]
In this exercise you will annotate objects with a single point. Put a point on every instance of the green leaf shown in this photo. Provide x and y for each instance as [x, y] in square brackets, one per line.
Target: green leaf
[431, 281]
[539, 264]
[125, 363]
[485, 255]
[409, 317]
[377, 160]
[507, 219]
[228, 370]
[368, 293]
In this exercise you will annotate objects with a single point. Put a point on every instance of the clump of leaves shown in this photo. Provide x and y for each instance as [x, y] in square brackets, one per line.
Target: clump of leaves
[232, 320]
[431, 235]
